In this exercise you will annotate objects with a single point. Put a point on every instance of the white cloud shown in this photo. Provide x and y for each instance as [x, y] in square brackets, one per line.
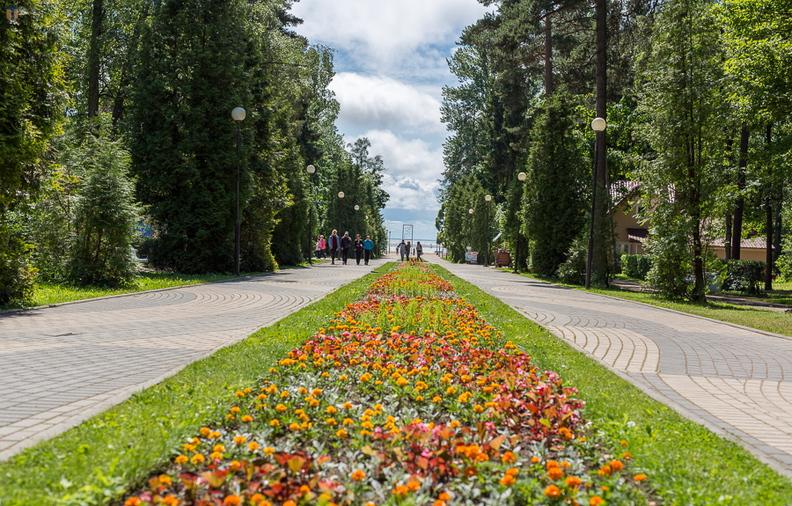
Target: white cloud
[384, 31]
[414, 158]
[385, 102]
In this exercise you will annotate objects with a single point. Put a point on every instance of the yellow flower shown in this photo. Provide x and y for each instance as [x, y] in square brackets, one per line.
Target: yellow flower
[239, 440]
[331, 410]
[342, 433]
[247, 419]
[198, 459]
[274, 423]
[253, 446]
[181, 459]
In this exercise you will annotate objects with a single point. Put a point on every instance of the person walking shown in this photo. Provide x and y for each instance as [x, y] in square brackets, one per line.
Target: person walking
[358, 249]
[409, 250]
[334, 244]
[346, 242]
[318, 249]
[419, 251]
[400, 248]
[323, 246]
[368, 249]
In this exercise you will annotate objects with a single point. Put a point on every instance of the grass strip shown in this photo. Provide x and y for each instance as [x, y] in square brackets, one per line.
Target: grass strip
[687, 463]
[761, 319]
[96, 461]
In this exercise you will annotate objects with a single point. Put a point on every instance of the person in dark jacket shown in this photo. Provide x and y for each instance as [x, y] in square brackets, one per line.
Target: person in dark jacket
[402, 249]
[408, 249]
[346, 243]
[419, 251]
[333, 244]
[358, 249]
[368, 248]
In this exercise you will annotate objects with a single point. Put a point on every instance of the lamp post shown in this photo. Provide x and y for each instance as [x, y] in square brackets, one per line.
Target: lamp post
[238, 115]
[488, 200]
[522, 177]
[311, 170]
[598, 125]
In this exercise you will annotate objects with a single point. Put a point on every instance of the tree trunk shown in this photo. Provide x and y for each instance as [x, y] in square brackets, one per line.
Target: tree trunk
[739, 206]
[94, 56]
[549, 84]
[602, 233]
[727, 241]
[768, 281]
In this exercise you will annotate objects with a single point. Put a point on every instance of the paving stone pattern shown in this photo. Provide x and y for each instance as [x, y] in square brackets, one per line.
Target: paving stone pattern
[61, 365]
[735, 381]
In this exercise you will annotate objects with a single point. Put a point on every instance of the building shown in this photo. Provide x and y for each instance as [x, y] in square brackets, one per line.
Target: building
[630, 233]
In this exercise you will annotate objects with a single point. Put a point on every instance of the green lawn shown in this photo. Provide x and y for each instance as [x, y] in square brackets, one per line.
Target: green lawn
[686, 463]
[761, 319]
[96, 461]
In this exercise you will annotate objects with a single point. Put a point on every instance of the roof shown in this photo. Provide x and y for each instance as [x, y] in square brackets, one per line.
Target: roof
[620, 190]
[750, 243]
[637, 234]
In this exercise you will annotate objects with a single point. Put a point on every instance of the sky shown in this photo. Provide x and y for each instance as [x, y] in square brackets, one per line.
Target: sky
[390, 62]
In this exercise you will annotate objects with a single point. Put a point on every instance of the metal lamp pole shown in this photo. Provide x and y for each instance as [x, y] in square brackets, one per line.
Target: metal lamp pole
[311, 170]
[238, 115]
[488, 200]
[598, 125]
[522, 177]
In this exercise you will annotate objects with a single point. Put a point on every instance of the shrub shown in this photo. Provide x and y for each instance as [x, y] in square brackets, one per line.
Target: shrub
[105, 217]
[16, 274]
[636, 266]
[671, 261]
[742, 276]
[573, 270]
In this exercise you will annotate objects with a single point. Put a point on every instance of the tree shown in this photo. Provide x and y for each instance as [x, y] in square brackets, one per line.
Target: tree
[31, 99]
[680, 76]
[554, 196]
[105, 217]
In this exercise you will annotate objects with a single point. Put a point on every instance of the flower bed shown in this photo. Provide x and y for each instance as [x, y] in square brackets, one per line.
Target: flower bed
[362, 415]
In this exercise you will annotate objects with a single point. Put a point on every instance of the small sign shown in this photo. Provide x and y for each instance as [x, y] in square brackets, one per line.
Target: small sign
[471, 257]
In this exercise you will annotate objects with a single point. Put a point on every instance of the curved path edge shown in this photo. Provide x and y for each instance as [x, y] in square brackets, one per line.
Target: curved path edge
[59, 365]
[734, 380]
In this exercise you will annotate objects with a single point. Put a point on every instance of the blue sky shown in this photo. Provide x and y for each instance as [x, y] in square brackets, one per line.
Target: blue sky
[390, 70]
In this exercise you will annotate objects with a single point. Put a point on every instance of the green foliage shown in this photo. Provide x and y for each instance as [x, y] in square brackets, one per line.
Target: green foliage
[105, 216]
[554, 197]
[573, 270]
[459, 229]
[636, 266]
[31, 100]
[742, 276]
[670, 255]
[683, 110]
[16, 273]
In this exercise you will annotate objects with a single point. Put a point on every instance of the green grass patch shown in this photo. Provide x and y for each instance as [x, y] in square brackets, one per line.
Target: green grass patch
[95, 462]
[686, 463]
[761, 319]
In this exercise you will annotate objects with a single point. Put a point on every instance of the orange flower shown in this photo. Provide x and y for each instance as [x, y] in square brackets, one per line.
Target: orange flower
[171, 500]
[240, 440]
[552, 492]
[555, 473]
[596, 501]
[232, 500]
[197, 459]
[247, 419]
[181, 459]
[573, 482]
[639, 477]
[616, 465]
[132, 501]
[509, 458]
[358, 475]
[508, 480]
[535, 460]
[253, 446]
[444, 496]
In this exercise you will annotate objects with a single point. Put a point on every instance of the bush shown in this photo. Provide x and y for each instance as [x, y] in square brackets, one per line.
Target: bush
[784, 262]
[671, 260]
[16, 274]
[742, 276]
[105, 217]
[573, 270]
[636, 266]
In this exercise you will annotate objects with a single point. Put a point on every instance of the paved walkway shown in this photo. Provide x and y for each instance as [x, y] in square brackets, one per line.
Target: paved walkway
[61, 365]
[736, 382]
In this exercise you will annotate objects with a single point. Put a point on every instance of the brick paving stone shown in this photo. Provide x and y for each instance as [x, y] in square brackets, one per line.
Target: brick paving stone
[733, 380]
[61, 365]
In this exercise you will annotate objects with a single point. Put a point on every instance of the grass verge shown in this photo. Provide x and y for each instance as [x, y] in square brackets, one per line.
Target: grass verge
[760, 319]
[96, 461]
[687, 463]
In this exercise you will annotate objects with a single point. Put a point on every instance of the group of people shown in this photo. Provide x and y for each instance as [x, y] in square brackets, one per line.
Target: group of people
[341, 247]
[405, 249]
